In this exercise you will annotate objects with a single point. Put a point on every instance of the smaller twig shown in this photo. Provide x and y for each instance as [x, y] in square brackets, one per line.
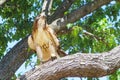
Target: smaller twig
[92, 35]
[95, 37]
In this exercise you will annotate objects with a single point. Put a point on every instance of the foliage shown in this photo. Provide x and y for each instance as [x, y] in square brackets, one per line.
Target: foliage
[96, 32]
[17, 17]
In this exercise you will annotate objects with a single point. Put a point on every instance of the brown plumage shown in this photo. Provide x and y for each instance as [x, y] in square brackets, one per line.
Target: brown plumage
[43, 40]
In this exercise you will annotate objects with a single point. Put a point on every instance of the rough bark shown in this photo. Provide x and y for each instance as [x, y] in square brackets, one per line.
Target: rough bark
[77, 65]
[61, 23]
[19, 53]
[14, 59]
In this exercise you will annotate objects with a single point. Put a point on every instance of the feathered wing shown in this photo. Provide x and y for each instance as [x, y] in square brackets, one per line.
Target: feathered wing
[56, 42]
[31, 43]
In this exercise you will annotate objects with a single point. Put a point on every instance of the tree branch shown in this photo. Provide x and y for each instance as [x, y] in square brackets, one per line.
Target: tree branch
[60, 10]
[16, 56]
[47, 6]
[92, 35]
[60, 23]
[77, 65]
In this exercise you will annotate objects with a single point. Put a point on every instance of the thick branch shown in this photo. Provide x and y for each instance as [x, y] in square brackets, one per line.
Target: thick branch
[14, 59]
[77, 65]
[77, 14]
